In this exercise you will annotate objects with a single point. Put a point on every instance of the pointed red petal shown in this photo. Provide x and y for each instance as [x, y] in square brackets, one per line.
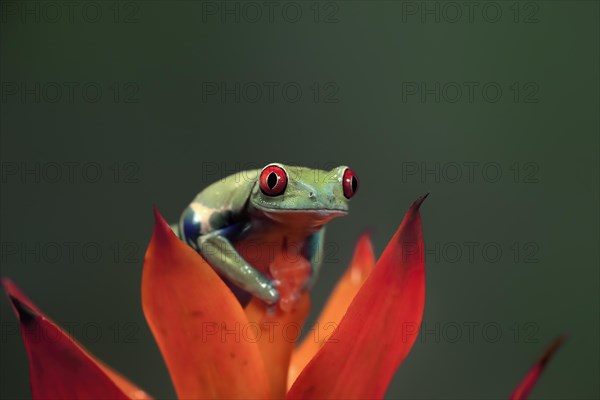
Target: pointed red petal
[527, 384]
[356, 274]
[379, 328]
[199, 326]
[59, 367]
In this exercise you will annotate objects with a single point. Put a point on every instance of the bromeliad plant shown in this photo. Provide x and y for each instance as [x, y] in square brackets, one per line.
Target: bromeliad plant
[197, 323]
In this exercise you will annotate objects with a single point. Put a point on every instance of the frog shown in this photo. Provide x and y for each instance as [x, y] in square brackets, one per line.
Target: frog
[245, 223]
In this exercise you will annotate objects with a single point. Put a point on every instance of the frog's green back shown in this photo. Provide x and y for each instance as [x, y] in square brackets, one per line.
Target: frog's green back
[230, 193]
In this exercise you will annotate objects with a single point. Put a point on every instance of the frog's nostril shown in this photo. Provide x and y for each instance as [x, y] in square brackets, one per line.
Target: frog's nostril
[311, 195]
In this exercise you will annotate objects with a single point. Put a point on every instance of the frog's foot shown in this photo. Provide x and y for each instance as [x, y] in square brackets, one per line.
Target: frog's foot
[291, 273]
[221, 255]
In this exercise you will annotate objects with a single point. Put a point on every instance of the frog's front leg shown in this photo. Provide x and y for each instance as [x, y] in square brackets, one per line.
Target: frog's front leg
[314, 252]
[220, 253]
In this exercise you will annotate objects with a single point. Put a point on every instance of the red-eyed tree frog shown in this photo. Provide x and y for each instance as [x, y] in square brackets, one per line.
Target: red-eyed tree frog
[263, 230]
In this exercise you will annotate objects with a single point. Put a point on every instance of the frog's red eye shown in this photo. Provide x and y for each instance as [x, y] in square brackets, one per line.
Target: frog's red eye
[273, 180]
[349, 183]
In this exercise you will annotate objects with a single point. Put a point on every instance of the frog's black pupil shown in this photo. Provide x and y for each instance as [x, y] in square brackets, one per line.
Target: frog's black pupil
[354, 184]
[272, 180]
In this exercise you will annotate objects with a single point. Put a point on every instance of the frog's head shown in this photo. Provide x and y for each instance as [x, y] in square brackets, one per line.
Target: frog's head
[284, 192]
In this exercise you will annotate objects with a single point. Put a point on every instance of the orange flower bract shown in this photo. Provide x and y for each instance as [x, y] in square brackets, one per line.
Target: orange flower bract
[214, 348]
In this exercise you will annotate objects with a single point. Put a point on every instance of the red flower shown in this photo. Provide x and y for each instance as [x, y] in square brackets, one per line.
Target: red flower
[214, 348]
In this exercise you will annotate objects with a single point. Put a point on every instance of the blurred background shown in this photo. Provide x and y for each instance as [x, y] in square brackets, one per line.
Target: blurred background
[109, 108]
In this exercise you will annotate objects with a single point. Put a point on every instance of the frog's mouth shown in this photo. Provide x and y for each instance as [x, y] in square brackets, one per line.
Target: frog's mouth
[306, 210]
[309, 211]
[302, 216]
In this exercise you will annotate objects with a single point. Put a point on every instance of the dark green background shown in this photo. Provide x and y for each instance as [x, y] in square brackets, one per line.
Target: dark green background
[168, 142]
